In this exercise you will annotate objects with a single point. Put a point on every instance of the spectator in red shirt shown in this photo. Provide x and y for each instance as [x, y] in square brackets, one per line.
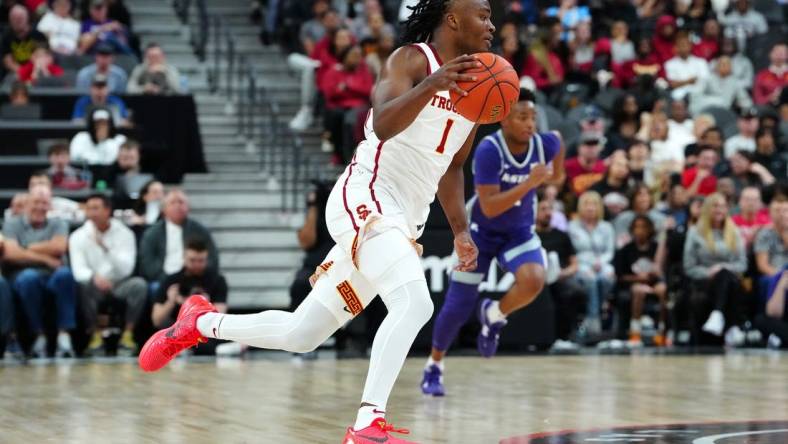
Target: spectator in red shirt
[586, 168]
[346, 87]
[700, 180]
[770, 81]
[327, 51]
[40, 65]
[664, 38]
[543, 64]
[752, 214]
[709, 44]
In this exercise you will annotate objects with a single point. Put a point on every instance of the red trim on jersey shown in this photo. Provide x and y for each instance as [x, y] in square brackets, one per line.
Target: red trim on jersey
[429, 65]
[435, 53]
[344, 193]
[375, 176]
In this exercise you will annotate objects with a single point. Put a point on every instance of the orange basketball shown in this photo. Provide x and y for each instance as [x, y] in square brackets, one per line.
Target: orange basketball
[492, 95]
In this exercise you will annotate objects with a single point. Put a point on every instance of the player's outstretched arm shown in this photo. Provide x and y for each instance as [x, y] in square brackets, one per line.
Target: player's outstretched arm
[396, 101]
[451, 195]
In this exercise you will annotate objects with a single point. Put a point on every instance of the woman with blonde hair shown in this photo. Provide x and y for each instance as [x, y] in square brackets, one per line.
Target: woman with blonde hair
[594, 241]
[714, 258]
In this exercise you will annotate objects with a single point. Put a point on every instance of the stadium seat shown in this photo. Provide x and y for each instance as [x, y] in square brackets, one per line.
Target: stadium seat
[554, 117]
[725, 119]
[607, 98]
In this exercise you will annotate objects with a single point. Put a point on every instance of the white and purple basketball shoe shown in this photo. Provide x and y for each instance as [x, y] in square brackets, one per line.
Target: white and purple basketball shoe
[432, 383]
[487, 341]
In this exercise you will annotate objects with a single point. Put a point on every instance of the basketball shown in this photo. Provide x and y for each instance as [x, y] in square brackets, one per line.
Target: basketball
[492, 95]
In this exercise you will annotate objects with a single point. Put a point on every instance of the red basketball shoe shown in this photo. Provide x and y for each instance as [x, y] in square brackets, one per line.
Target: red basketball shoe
[167, 343]
[376, 433]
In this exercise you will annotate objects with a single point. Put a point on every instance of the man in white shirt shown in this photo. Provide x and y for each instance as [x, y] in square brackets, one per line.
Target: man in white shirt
[745, 139]
[684, 71]
[103, 254]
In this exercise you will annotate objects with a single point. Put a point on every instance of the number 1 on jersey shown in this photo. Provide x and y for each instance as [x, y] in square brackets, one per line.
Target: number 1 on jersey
[442, 146]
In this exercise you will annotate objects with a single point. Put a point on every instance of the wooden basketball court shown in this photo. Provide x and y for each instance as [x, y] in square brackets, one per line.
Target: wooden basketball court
[275, 399]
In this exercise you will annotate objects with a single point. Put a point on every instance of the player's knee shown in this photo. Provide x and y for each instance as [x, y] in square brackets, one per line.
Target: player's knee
[298, 342]
[414, 298]
[530, 281]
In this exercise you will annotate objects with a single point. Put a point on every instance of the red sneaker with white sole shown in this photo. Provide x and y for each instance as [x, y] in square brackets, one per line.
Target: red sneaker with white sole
[376, 433]
[167, 343]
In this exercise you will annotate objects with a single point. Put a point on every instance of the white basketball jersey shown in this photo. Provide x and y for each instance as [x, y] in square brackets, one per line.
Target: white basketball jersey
[410, 165]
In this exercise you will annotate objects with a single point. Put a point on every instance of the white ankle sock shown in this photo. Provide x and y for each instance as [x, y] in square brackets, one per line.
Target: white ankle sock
[431, 361]
[494, 313]
[634, 326]
[208, 324]
[365, 416]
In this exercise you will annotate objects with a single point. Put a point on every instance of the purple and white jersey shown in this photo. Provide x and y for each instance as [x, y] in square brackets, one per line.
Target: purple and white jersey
[494, 164]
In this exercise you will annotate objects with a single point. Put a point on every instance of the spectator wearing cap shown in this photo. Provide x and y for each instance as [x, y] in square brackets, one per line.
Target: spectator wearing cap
[771, 80]
[592, 120]
[700, 180]
[115, 75]
[99, 143]
[99, 28]
[154, 75]
[60, 28]
[61, 173]
[743, 22]
[20, 40]
[40, 66]
[748, 124]
[720, 89]
[685, 71]
[585, 169]
[100, 97]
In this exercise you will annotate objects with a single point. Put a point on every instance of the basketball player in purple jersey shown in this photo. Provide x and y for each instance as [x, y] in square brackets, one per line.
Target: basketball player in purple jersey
[508, 166]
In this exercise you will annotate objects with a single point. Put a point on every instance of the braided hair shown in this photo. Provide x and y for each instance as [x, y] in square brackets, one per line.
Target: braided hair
[423, 19]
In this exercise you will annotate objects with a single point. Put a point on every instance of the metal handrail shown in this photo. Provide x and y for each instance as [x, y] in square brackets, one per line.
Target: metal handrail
[285, 159]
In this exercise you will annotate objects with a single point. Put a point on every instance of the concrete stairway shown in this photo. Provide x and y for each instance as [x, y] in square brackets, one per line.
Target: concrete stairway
[236, 200]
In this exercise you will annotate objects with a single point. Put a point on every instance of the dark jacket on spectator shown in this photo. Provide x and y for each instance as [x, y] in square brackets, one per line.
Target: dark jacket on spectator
[153, 248]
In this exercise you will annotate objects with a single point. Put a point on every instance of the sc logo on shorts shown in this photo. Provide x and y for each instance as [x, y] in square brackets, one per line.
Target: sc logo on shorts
[363, 212]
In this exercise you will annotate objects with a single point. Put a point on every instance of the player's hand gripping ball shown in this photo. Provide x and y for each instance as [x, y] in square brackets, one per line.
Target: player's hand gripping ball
[492, 95]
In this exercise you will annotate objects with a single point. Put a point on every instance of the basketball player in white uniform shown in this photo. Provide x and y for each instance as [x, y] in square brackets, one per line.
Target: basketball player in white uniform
[415, 148]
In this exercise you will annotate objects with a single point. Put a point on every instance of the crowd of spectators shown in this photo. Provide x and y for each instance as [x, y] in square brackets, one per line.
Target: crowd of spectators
[48, 45]
[125, 262]
[94, 243]
[675, 117]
